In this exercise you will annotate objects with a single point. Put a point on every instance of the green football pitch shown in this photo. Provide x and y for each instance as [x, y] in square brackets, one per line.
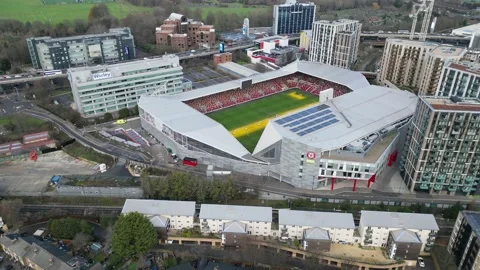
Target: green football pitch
[247, 121]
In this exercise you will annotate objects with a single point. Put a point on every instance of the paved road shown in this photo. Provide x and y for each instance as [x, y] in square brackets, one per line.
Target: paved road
[86, 139]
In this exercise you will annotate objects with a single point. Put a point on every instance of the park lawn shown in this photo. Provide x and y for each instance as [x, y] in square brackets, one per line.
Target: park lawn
[25, 119]
[34, 10]
[257, 110]
[232, 8]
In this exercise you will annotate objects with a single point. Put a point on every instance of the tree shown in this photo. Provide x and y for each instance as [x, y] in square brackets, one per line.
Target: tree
[398, 3]
[133, 236]
[210, 18]
[452, 211]
[197, 14]
[68, 228]
[107, 117]
[80, 239]
[10, 210]
[5, 64]
[296, 243]
[98, 11]
[123, 113]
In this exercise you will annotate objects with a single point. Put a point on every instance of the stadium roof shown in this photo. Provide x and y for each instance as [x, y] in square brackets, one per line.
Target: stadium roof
[368, 108]
[236, 212]
[315, 219]
[158, 207]
[407, 221]
[357, 114]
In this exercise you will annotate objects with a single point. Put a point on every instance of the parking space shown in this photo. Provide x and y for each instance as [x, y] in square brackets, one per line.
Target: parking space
[28, 178]
[205, 76]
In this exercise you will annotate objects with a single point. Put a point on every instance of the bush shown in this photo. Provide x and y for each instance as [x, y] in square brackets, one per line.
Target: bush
[67, 228]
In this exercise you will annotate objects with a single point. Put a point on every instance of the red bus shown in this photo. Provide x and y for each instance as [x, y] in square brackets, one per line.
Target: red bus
[192, 162]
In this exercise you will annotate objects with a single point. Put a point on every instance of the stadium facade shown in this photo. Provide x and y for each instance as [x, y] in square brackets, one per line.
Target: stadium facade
[61, 53]
[346, 140]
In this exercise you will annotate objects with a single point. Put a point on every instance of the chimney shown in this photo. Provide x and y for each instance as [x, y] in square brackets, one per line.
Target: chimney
[50, 260]
[35, 250]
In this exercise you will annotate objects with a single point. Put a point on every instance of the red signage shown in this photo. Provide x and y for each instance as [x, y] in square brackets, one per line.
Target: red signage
[311, 155]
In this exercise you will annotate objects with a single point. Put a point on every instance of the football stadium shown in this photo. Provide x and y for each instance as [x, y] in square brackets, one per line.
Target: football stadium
[308, 124]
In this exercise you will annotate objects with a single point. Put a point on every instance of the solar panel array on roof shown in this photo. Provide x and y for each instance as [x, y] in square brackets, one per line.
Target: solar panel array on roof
[305, 119]
[301, 114]
[315, 128]
[312, 123]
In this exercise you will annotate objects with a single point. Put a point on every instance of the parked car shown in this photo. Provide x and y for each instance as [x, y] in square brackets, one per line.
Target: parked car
[421, 263]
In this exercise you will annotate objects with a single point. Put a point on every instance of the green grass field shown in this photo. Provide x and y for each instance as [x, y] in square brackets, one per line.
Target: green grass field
[233, 8]
[34, 10]
[257, 110]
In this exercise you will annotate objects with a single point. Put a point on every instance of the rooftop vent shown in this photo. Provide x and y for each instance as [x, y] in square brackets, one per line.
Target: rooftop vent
[455, 99]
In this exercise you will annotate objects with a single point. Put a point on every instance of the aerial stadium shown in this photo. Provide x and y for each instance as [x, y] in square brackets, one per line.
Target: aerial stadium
[308, 124]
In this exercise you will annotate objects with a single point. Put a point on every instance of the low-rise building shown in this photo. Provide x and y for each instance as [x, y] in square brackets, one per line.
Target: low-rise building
[213, 218]
[375, 227]
[316, 240]
[404, 244]
[464, 243]
[293, 224]
[32, 253]
[164, 215]
[234, 233]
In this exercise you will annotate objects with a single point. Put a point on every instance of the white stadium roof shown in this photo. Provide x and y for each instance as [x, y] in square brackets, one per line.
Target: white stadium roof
[368, 109]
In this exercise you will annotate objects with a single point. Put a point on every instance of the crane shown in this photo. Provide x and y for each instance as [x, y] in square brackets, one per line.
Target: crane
[421, 6]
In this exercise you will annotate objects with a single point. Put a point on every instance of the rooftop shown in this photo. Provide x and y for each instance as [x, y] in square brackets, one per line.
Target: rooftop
[111, 32]
[407, 221]
[110, 72]
[238, 69]
[473, 219]
[452, 104]
[316, 234]
[448, 51]
[157, 207]
[405, 236]
[234, 227]
[315, 219]
[236, 212]
[412, 42]
[473, 68]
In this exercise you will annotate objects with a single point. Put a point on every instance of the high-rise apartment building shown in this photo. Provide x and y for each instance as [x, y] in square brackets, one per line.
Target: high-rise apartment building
[460, 79]
[61, 53]
[100, 89]
[182, 34]
[442, 153]
[434, 63]
[402, 62]
[464, 242]
[415, 64]
[335, 42]
[293, 17]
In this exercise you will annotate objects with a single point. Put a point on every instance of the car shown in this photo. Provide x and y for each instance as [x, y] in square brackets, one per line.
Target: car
[421, 263]
[18, 76]
[1, 258]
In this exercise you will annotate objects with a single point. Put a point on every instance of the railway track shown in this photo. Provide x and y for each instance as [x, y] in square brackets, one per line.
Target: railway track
[71, 209]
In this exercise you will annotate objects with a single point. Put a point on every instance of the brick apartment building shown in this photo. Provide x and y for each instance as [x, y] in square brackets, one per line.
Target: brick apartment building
[181, 33]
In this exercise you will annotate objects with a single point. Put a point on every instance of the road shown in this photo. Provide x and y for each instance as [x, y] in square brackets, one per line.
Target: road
[87, 140]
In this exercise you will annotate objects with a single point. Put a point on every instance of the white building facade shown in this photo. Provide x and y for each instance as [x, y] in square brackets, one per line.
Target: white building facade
[258, 219]
[375, 227]
[178, 214]
[100, 89]
[292, 224]
[335, 42]
[461, 79]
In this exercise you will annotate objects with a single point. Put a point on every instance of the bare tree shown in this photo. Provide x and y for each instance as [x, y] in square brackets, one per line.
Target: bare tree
[9, 211]
[80, 240]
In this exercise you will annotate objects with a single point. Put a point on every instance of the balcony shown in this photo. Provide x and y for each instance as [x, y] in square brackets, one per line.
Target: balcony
[441, 177]
[367, 242]
[369, 230]
[424, 186]
[469, 179]
[452, 188]
[437, 187]
[466, 189]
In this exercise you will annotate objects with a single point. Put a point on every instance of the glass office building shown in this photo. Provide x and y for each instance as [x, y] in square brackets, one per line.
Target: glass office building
[293, 17]
[109, 88]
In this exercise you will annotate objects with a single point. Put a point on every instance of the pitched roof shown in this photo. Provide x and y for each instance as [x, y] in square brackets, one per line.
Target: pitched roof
[159, 207]
[316, 234]
[398, 220]
[234, 227]
[405, 236]
[315, 219]
[236, 212]
[159, 221]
